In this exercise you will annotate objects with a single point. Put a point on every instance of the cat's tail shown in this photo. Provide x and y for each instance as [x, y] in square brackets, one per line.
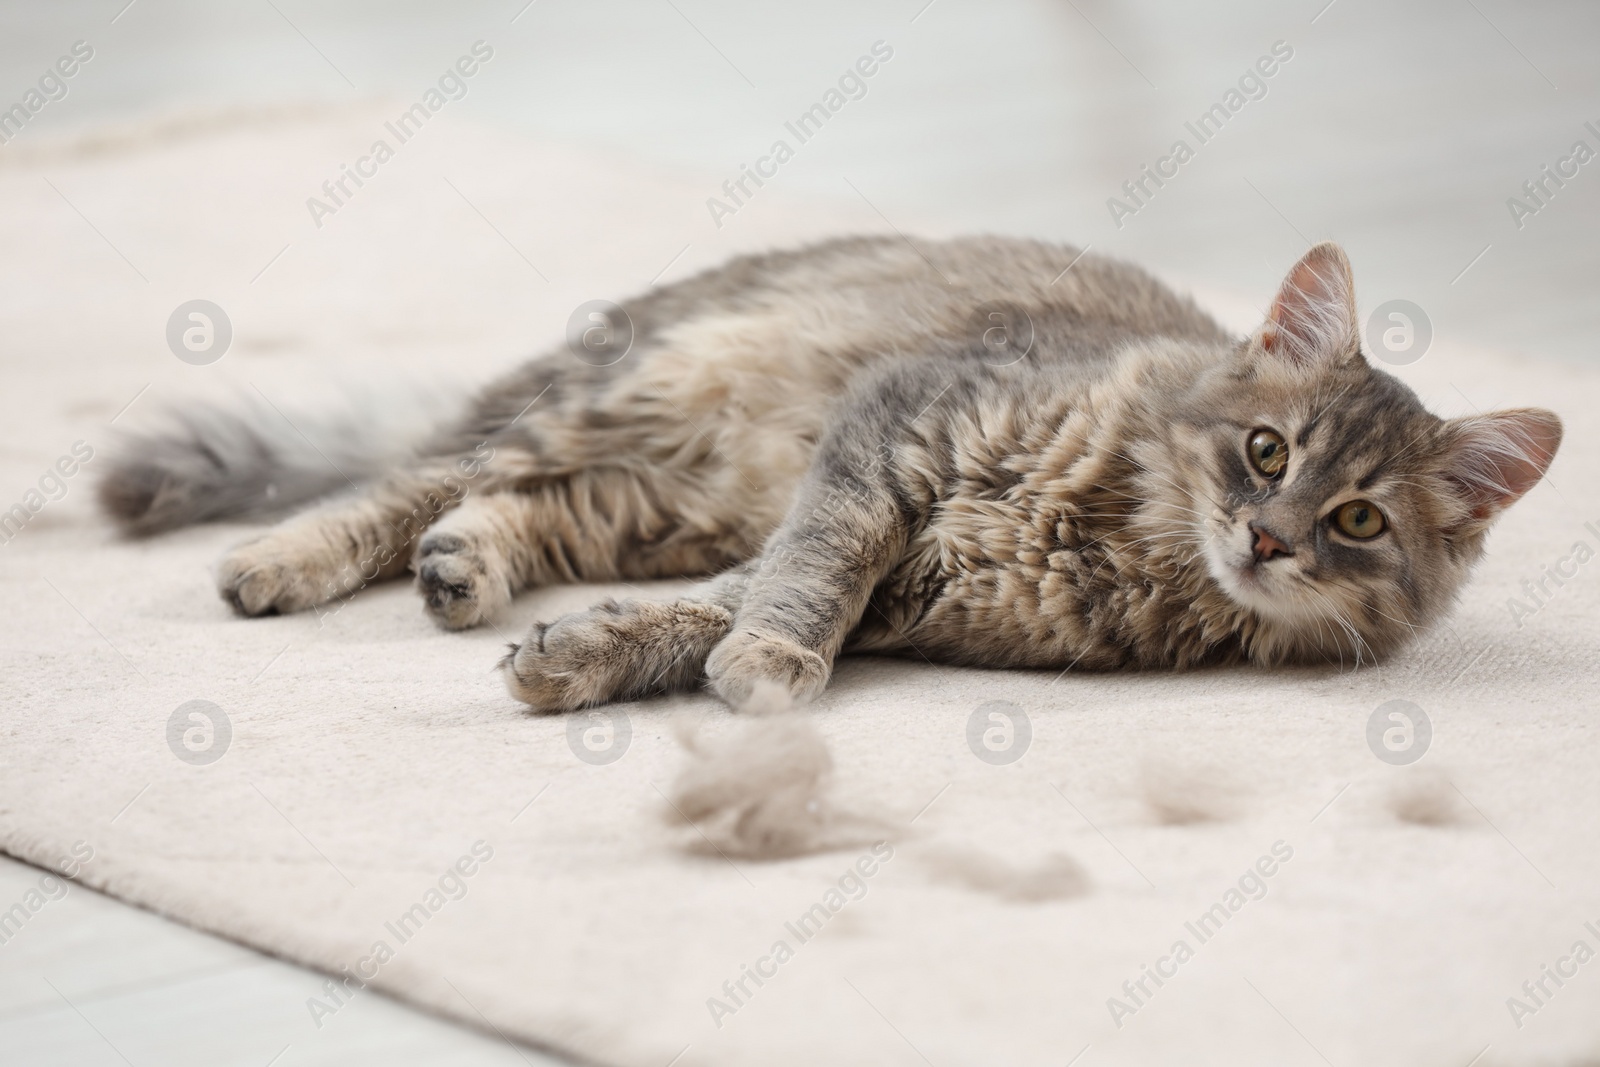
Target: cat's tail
[247, 458]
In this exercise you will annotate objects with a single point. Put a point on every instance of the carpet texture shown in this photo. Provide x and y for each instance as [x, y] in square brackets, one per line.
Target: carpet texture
[377, 785]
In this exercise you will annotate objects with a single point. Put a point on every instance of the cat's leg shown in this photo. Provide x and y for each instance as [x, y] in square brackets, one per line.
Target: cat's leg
[338, 548]
[813, 581]
[595, 525]
[782, 617]
[623, 650]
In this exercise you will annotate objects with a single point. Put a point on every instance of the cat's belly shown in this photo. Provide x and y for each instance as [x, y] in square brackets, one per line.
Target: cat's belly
[740, 400]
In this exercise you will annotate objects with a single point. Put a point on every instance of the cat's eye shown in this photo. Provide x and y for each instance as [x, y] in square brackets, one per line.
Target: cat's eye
[1269, 453]
[1359, 519]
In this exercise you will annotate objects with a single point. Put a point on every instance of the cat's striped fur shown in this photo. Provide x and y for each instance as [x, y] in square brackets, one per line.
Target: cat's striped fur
[833, 438]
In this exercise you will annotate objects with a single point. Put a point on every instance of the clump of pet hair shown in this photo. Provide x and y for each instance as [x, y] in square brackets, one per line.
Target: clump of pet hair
[1426, 797]
[1183, 794]
[761, 791]
[1056, 877]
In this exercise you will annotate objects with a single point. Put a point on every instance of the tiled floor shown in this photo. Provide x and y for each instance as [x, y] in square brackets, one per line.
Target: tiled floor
[89, 981]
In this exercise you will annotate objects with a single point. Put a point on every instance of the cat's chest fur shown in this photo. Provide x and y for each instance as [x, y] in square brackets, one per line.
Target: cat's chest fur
[1042, 548]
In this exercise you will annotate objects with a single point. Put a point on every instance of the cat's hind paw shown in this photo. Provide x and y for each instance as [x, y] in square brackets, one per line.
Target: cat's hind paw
[460, 586]
[261, 577]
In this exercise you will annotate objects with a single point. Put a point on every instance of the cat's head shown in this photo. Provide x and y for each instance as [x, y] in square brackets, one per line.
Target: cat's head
[1329, 503]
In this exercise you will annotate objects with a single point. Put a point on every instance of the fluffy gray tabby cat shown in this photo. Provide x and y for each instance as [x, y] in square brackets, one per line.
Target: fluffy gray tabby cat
[828, 435]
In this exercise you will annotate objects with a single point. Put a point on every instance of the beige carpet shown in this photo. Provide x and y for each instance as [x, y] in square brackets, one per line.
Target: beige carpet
[370, 752]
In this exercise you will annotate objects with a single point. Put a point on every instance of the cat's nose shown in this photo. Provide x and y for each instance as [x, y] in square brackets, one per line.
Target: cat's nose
[1266, 544]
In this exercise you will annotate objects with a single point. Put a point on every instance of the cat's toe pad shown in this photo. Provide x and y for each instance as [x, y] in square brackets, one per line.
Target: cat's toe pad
[459, 587]
[746, 657]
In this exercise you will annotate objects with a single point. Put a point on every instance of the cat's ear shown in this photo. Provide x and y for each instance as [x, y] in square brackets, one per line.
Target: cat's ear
[1313, 318]
[1493, 459]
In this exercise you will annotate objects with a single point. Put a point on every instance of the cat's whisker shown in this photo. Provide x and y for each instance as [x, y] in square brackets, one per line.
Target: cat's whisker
[1180, 534]
[1183, 489]
[1178, 530]
[1344, 622]
[1403, 622]
[1363, 599]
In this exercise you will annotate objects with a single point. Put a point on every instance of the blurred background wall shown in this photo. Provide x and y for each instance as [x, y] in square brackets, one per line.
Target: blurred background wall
[1400, 130]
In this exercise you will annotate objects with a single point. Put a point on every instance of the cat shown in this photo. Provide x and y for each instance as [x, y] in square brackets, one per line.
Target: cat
[993, 452]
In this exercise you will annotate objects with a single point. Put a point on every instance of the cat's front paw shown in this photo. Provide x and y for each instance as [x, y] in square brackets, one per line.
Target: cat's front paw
[614, 651]
[260, 578]
[563, 665]
[746, 657]
[460, 585]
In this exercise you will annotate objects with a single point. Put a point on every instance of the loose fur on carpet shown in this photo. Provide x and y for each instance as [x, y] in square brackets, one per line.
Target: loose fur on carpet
[762, 790]
[1014, 904]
